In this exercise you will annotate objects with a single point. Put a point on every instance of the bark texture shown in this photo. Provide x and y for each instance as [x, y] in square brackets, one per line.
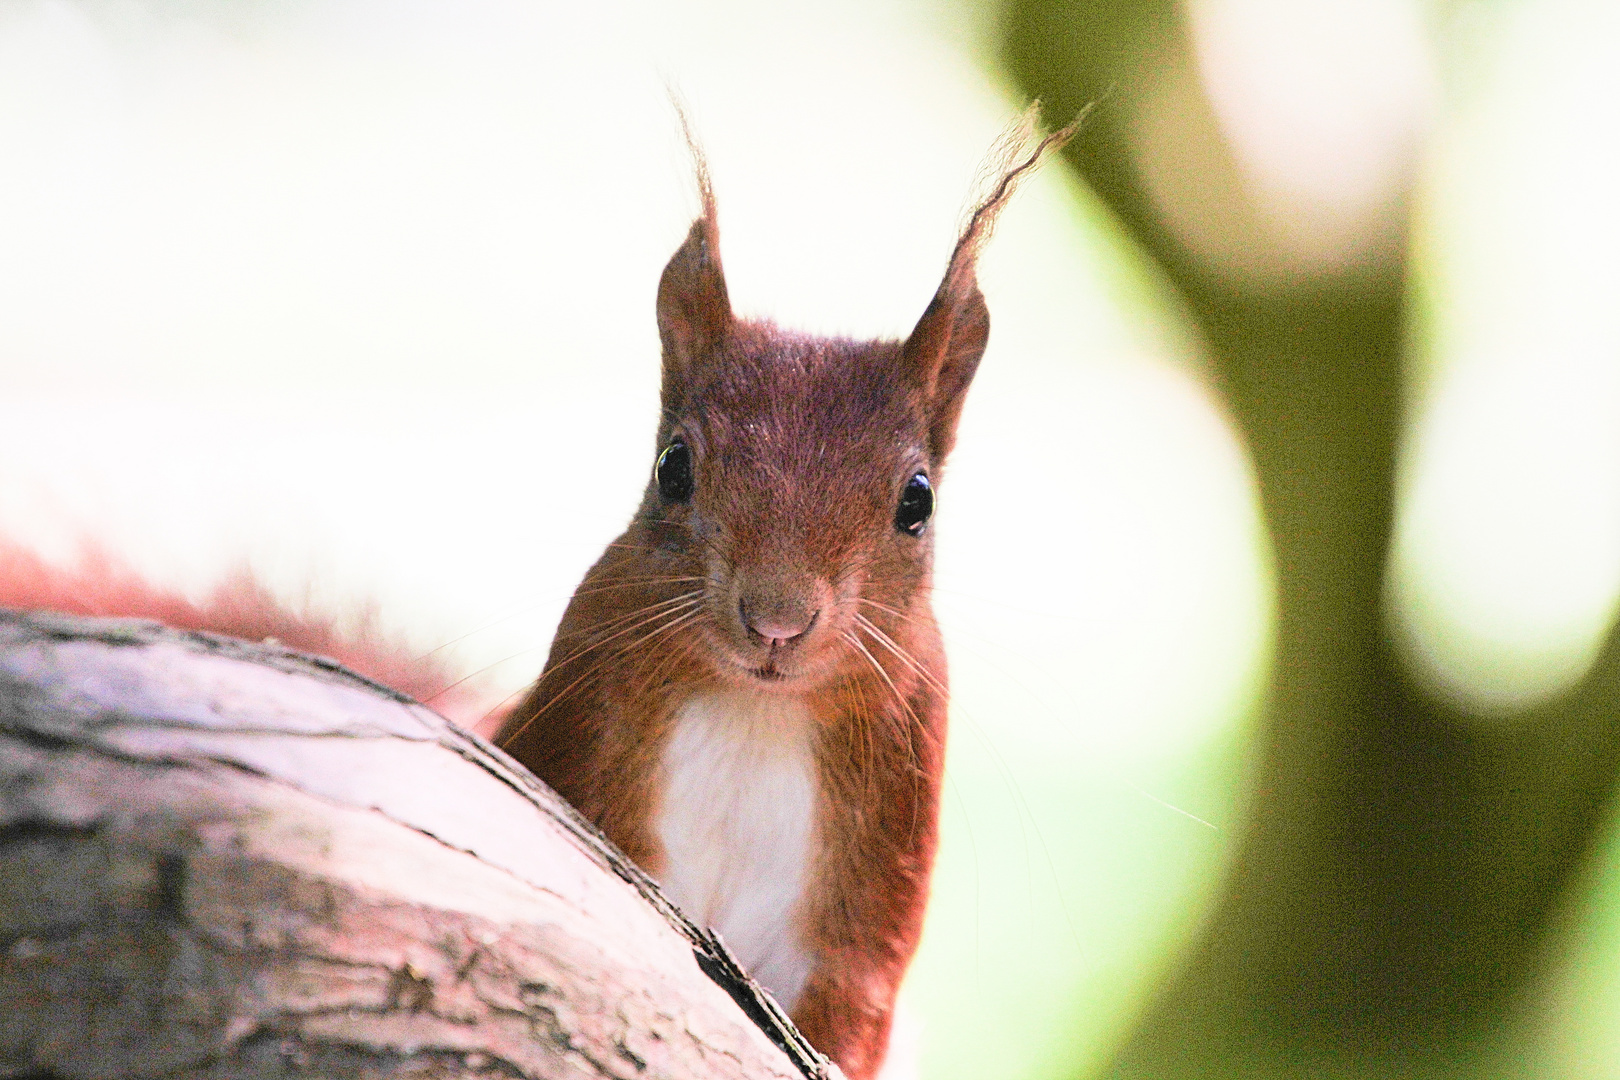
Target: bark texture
[229, 860]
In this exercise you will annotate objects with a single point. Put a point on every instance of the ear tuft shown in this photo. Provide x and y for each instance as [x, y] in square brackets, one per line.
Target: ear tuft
[694, 308]
[945, 347]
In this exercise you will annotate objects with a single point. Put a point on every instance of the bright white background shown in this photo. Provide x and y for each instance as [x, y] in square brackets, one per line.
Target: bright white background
[360, 294]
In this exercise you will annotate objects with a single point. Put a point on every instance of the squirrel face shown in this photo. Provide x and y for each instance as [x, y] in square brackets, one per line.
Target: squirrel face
[795, 475]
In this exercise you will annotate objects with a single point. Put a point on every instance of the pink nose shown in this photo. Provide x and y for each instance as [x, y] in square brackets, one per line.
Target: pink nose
[778, 623]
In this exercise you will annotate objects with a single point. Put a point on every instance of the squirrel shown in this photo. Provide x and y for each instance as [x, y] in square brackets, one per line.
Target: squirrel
[747, 693]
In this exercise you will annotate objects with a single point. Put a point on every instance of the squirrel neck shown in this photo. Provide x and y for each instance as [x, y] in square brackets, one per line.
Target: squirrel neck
[737, 823]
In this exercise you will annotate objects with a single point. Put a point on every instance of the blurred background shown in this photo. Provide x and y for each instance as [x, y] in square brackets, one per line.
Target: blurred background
[1279, 555]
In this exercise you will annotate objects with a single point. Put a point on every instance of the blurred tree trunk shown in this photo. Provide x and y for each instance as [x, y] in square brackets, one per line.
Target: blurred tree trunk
[230, 860]
[1402, 859]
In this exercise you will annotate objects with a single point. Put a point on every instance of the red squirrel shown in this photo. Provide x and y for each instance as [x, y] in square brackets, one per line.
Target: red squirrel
[747, 693]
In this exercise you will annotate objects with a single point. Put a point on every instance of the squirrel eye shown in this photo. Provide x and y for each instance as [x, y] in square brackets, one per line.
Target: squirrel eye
[674, 471]
[916, 506]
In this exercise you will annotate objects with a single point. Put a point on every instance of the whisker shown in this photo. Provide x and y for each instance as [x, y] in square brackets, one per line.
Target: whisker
[524, 609]
[524, 652]
[916, 723]
[679, 649]
[629, 583]
[501, 704]
[471, 675]
[521, 609]
[660, 610]
[1003, 769]
[868, 742]
[911, 662]
[896, 612]
[904, 656]
[674, 623]
[589, 672]
[577, 653]
[899, 699]
[622, 617]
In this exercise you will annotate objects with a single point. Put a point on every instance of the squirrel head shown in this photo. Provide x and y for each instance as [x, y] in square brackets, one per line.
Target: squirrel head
[796, 474]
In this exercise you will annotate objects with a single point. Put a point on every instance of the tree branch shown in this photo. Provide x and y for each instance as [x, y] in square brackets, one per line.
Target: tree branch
[229, 860]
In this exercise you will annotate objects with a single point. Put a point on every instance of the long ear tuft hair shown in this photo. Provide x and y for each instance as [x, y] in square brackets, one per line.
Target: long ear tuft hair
[700, 165]
[694, 308]
[1012, 158]
[947, 343]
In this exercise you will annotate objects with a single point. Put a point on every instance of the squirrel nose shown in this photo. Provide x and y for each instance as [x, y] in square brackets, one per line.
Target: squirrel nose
[777, 623]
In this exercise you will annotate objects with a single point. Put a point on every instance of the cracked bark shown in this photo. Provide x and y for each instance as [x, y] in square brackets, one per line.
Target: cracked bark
[223, 860]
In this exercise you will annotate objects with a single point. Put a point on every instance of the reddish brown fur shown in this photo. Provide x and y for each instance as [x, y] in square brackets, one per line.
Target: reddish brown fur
[801, 449]
[240, 607]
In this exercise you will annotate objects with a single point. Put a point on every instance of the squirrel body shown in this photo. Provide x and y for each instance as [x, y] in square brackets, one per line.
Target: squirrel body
[713, 699]
[747, 692]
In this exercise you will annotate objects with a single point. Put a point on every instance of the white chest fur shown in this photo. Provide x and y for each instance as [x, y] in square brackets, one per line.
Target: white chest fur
[737, 823]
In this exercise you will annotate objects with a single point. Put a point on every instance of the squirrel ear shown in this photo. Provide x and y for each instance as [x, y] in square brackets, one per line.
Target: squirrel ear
[944, 351]
[694, 309]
